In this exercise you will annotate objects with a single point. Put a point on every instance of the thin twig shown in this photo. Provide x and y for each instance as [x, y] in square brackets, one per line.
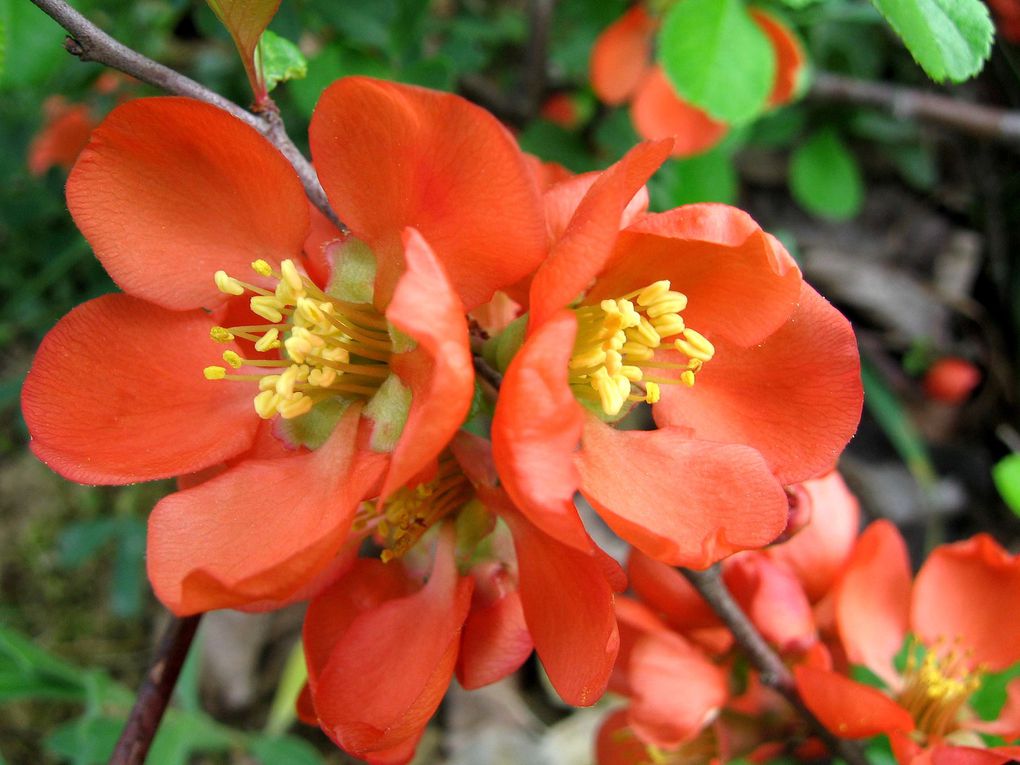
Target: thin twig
[908, 103]
[154, 695]
[90, 43]
[774, 673]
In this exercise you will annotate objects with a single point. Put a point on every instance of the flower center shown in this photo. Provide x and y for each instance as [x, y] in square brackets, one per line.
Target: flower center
[411, 511]
[329, 347]
[937, 686]
[614, 353]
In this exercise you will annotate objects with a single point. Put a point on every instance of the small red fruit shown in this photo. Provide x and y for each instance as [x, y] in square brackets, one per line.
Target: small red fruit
[951, 380]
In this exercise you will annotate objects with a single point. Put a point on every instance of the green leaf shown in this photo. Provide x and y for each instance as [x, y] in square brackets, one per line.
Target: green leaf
[717, 58]
[85, 741]
[283, 711]
[34, 41]
[1006, 474]
[989, 699]
[81, 541]
[5, 23]
[708, 177]
[824, 177]
[281, 60]
[950, 39]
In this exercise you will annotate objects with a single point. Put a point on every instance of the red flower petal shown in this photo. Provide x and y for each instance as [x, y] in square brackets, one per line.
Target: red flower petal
[260, 531]
[617, 744]
[568, 605]
[587, 242]
[682, 502]
[535, 431]
[392, 156]
[622, 55]
[390, 668]
[171, 190]
[658, 112]
[741, 282]
[796, 398]
[773, 599]
[61, 139]
[116, 395]
[789, 55]
[873, 600]
[439, 371]
[965, 755]
[665, 590]
[962, 592]
[367, 585]
[677, 690]
[495, 642]
[847, 708]
[562, 200]
[819, 551]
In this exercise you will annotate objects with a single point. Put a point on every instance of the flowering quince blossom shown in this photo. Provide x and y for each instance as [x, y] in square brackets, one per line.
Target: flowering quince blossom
[622, 70]
[777, 392]
[953, 612]
[62, 137]
[353, 357]
[382, 647]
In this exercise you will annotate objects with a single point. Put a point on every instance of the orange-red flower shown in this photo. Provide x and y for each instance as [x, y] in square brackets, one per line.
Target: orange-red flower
[368, 363]
[777, 392]
[622, 70]
[954, 612]
[382, 647]
[61, 139]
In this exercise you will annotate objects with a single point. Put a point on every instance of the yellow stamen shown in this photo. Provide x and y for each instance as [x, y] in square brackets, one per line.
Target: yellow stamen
[936, 688]
[617, 341]
[409, 512]
[332, 348]
[221, 335]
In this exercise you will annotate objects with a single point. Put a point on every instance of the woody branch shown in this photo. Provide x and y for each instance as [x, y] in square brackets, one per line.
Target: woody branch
[88, 42]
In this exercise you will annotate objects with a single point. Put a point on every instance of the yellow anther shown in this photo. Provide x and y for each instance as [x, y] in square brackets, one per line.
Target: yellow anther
[700, 342]
[669, 324]
[269, 382]
[261, 267]
[214, 373]
[227, 284]
[285, 385]
[632, 373]
[666, 306]
[322, 377]
[645, 333]
[265, 404]
[295, 406]
[590, 358]
[652, 393]
[221, 334]
[291, 276]
[638, 352]
[687, 378]
[268, 341]
[653, 292]
[268, 307]
[234, 361]
[609, 391]
[614, 362]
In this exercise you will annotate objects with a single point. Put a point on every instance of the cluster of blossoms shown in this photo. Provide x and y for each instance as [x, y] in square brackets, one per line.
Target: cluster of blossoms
[313, 390]
[828, 601]
[623, 71]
